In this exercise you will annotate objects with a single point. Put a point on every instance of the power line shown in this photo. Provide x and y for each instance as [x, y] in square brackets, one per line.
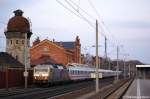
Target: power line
[100, 18]
[81, 16]
[66, 8]
[79, 8]
[74, 5]
[103, 24]
[94, 9]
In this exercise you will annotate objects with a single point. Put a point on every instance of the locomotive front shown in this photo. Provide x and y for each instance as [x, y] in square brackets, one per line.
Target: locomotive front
[41, 74]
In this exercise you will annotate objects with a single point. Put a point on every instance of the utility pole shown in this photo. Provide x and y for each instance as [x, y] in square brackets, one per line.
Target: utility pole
[117, 63]
[124, 68]
[25, 61]
[109, 64]
[106, 59]
[105, 47]
[97, 73]
[129, 70]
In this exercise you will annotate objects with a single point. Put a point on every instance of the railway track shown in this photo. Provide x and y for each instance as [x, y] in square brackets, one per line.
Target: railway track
[82, 91]
[119, 92]
[42, 93]
[112, 91]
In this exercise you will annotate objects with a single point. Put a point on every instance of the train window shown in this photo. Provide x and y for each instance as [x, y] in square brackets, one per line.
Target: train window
[55, 66]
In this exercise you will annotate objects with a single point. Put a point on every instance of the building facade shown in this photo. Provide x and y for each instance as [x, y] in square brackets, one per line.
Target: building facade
[47, 51]
[73, 50]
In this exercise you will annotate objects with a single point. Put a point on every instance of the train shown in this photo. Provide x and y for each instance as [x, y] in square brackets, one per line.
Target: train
[52, 73]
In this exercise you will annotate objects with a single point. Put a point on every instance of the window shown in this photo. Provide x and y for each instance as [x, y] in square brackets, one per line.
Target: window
[17, 41]
[10, 41]
[22, 41]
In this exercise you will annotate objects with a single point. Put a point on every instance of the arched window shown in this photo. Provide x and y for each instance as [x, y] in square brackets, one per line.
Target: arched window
[10, 41]
[17, 41]
[22, 41]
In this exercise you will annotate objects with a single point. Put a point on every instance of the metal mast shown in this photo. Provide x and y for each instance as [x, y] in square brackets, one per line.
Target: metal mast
[97, 74]
[117, 63]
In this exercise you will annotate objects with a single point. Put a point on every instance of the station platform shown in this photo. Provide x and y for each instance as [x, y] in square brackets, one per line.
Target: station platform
[139, 89]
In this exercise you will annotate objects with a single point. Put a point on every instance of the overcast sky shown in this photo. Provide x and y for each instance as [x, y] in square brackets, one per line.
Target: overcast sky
[128, 23]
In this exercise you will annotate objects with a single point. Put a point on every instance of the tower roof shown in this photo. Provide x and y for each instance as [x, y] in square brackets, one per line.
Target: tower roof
[18, 23]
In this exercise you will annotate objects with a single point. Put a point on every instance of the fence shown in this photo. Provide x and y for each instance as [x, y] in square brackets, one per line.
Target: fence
[13, 77]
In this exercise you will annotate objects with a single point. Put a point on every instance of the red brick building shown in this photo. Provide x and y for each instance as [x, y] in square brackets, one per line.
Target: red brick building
[47, 51]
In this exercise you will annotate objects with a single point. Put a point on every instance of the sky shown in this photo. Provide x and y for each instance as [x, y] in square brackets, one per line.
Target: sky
[125, 23]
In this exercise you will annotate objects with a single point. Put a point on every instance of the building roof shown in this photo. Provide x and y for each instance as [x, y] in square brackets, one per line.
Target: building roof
[8, 60]
[18, 23]
[142, 66]
[68, 45]
[46, 41]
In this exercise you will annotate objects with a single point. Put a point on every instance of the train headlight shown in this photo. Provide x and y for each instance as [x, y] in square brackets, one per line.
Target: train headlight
[36, 75]
[45, 75]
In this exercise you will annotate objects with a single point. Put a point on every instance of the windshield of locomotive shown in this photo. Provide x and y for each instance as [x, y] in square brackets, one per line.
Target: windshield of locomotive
[40, 70]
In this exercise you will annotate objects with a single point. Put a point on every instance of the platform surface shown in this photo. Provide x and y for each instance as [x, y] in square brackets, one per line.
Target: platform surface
[139, 89]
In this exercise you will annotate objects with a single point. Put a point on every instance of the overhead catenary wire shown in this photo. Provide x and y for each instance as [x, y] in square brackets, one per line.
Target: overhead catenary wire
[81, 16]
[79, 8]
[78, 13]
[94, 18]
[114, 43]
[102, 22]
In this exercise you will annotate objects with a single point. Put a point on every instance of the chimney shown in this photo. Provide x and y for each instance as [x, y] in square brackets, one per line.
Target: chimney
[77, 40]
[37, 41]
[18, 12]
[53, 40]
